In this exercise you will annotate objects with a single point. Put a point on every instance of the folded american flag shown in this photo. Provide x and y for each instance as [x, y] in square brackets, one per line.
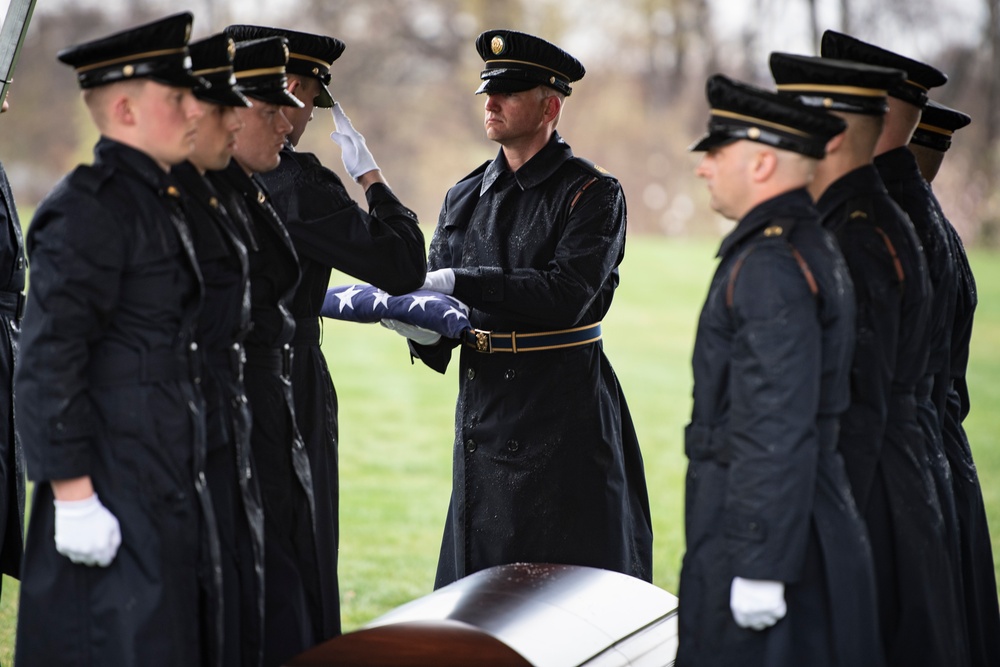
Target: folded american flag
[431, 310]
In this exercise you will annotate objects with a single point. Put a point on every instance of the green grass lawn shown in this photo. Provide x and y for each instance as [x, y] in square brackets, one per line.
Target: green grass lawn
[396, 423]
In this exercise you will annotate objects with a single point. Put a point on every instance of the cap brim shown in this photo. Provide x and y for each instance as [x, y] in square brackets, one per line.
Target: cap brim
[177, 79]
[323, 99]
[223, 95]
[500, 84]
[711, 140]
[279, 96]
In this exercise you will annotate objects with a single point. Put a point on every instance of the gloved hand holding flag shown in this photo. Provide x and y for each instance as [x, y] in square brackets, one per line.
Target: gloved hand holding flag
[426, 309]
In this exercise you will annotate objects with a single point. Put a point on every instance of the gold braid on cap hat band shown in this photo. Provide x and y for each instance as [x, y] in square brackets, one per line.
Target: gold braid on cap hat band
[260, 72]
[525, 62]
[935, 129]
[758, 121]
[917, 85]
[132, 56]
[845, 90]
[212, 70]
[311, 59]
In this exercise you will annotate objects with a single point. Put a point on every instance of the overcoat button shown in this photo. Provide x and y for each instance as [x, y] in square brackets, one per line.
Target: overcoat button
[513, 445]
[509, 375]
[471, 373]
[470, 445]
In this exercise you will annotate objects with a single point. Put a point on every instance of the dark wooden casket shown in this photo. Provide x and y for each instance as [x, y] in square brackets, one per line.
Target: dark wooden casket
[523, 614]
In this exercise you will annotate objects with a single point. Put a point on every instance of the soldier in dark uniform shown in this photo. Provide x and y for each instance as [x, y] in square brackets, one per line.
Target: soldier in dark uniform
[886, 466]
[382, 246]
[109, 413]
[12, 269]
[290, 563]
[901, 175]
[547, 466]
[220, 244]
[778, 568]
[930, 141]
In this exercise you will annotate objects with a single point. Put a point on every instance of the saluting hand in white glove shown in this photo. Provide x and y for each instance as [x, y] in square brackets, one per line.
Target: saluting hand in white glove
[757, 603]
[357, 158]
[86, 532]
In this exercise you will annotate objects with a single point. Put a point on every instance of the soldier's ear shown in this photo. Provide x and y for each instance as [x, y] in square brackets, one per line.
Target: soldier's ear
[763, 164]
[835, 143]
[122, 108]
[553, 105]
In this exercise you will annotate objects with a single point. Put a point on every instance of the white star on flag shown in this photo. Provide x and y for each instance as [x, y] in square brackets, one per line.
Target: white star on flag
[381, 298]
[346, 297]
[421, 301]
[454, 312]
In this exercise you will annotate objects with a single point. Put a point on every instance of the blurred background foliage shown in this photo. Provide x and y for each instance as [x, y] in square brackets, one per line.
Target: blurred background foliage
[410, 69]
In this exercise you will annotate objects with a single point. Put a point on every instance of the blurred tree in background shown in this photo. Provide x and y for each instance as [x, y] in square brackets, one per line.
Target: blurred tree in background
[410, 68]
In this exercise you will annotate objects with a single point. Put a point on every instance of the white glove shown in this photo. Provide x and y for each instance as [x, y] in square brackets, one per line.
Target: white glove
[86, 532]
[757, 603]
[442, 280]
[418, 335]
[357, 158]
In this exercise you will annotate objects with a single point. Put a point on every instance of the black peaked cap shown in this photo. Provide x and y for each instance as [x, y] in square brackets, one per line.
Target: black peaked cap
[309, 55]
[259, 66]
[212, 60]
[517, 61]
[920, 77]
[741, 111]
[156, 51]
[937, 124]
[834, 85]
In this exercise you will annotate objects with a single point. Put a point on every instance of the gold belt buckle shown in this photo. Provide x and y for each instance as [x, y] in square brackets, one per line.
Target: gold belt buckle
[484, 342]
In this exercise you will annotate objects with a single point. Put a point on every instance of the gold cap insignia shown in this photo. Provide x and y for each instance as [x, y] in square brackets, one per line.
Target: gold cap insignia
[753, 133]
[187, 33]
[231, 50]
[773, 230]
[497, 45]
[128, 71]
[287, 54]
[315, 71]
[827, 102]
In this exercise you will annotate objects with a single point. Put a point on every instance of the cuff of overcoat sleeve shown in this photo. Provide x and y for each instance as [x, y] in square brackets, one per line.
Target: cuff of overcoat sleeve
[482, 284]
[65, 459]
[382, 202]
[435, 357]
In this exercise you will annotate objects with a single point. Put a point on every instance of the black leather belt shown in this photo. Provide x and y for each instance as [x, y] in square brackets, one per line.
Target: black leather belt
[489, 342]
[126, 367]
[230, 359]
[12, 304]
[278, 360]
[306, 331]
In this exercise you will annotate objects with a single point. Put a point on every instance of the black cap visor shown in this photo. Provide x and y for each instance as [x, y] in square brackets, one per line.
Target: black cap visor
[515, 80]
[270, 89]
[722, 131]
[323, 99]
[222, 94]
